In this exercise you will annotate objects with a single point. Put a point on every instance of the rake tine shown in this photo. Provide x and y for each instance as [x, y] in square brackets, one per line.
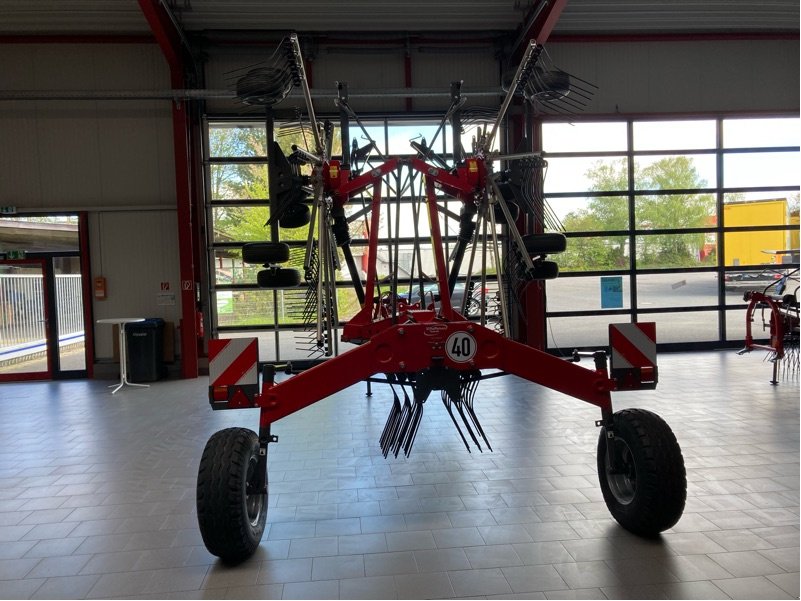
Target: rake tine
[479, 429]
[467, 424]
[385, 442]
[447, 404]
[417, 417]
[406, 417]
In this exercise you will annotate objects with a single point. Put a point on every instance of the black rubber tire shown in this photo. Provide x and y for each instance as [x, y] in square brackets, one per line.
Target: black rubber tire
[545, 270]
[262, 253]
[545, 244]
[514, 211]
[231, 521]
[278, 278]
[296, 215]
[649, 496]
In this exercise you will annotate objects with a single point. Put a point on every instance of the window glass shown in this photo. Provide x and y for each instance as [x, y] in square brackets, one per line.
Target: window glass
[587, 293]
[754, 133]
[247, 181]
[237, 140]
[677, 290]
[45, 233]
[738, 211]
[584, 137]
[690, 326]
[586, 174]
[591, 214]
[594, 253]
[674, 135]
[753, 169]
[567, 333]
[755, 248]
[401, 133]
[675, 172]
[240, 224]
[670, 251]
[673, 211]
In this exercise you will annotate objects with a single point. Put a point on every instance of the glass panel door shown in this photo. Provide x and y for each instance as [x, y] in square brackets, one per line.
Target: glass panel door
[24, 353]
[68, 288]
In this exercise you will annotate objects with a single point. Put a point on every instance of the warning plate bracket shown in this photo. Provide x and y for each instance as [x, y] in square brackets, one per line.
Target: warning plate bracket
[632, 363]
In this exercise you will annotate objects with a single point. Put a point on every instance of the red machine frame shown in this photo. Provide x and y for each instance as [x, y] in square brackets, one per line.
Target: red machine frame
[414, 340]
[641, 469]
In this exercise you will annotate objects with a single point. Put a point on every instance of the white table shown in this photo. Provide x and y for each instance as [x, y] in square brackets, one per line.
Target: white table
[121, 321]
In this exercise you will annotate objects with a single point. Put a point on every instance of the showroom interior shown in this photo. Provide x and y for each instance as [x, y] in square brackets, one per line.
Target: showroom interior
[226, 234]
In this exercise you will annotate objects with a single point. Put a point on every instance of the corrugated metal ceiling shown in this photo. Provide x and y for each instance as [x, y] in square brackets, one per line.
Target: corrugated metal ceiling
[579, 16]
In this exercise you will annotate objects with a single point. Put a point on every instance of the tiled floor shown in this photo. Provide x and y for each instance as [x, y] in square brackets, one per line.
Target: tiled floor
[97, 495]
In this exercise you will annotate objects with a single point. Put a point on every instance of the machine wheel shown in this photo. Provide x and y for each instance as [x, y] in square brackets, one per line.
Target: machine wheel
[646, 494]
[514, 211]
[261, 253]
[545, 244]
[545, 270]
[296, 215]
[230, 515]
[278, 278]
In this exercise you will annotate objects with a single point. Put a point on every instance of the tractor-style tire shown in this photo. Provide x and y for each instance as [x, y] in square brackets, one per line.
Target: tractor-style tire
[262, 253]
[647, 494]
[231, 517]
[277, 278]
[514, 212]
[295, 215]
[545, 244]
[545, 270]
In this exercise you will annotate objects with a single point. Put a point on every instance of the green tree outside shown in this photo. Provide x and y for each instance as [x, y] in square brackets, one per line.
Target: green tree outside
[657, 210]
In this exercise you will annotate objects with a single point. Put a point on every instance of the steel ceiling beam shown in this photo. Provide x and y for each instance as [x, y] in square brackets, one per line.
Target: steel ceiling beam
[538, 24]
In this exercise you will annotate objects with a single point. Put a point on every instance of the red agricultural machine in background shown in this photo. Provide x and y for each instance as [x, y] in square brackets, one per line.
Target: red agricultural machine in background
[417, 345]
[776, 308]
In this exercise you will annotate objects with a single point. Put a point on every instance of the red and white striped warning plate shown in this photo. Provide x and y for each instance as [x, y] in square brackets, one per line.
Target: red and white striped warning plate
[233, 362]
[633, 345]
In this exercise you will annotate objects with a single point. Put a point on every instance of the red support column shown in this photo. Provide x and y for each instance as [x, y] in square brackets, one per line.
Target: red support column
[169, 42]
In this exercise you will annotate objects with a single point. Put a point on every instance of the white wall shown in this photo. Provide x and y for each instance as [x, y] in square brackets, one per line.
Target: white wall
[113, 159]
[686, 76]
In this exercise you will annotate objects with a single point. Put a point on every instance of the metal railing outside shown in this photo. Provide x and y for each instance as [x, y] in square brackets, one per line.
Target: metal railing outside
[22, 326]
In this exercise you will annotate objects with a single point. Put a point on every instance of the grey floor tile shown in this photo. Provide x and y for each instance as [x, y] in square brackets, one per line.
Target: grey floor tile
[362, 543]
[51, 567]
[583, 593]
[21, 589]
[15, 550]
[786, 558]
[441, 560]
[755, 587]
[107, 516]
[742, 564]
[337, 568]
[13, 569]
[434, 585]
[475, 582]
[372, 587]
[386, 564]
[285, 570]
[410, 541]
[493, 556]
[530, 579]
[789, 583]
[321, 589]
[588, 574]
[259, 591]
[313, 547]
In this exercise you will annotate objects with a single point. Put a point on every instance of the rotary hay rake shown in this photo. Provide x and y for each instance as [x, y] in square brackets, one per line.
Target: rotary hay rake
[778, 310]
[426, 345]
